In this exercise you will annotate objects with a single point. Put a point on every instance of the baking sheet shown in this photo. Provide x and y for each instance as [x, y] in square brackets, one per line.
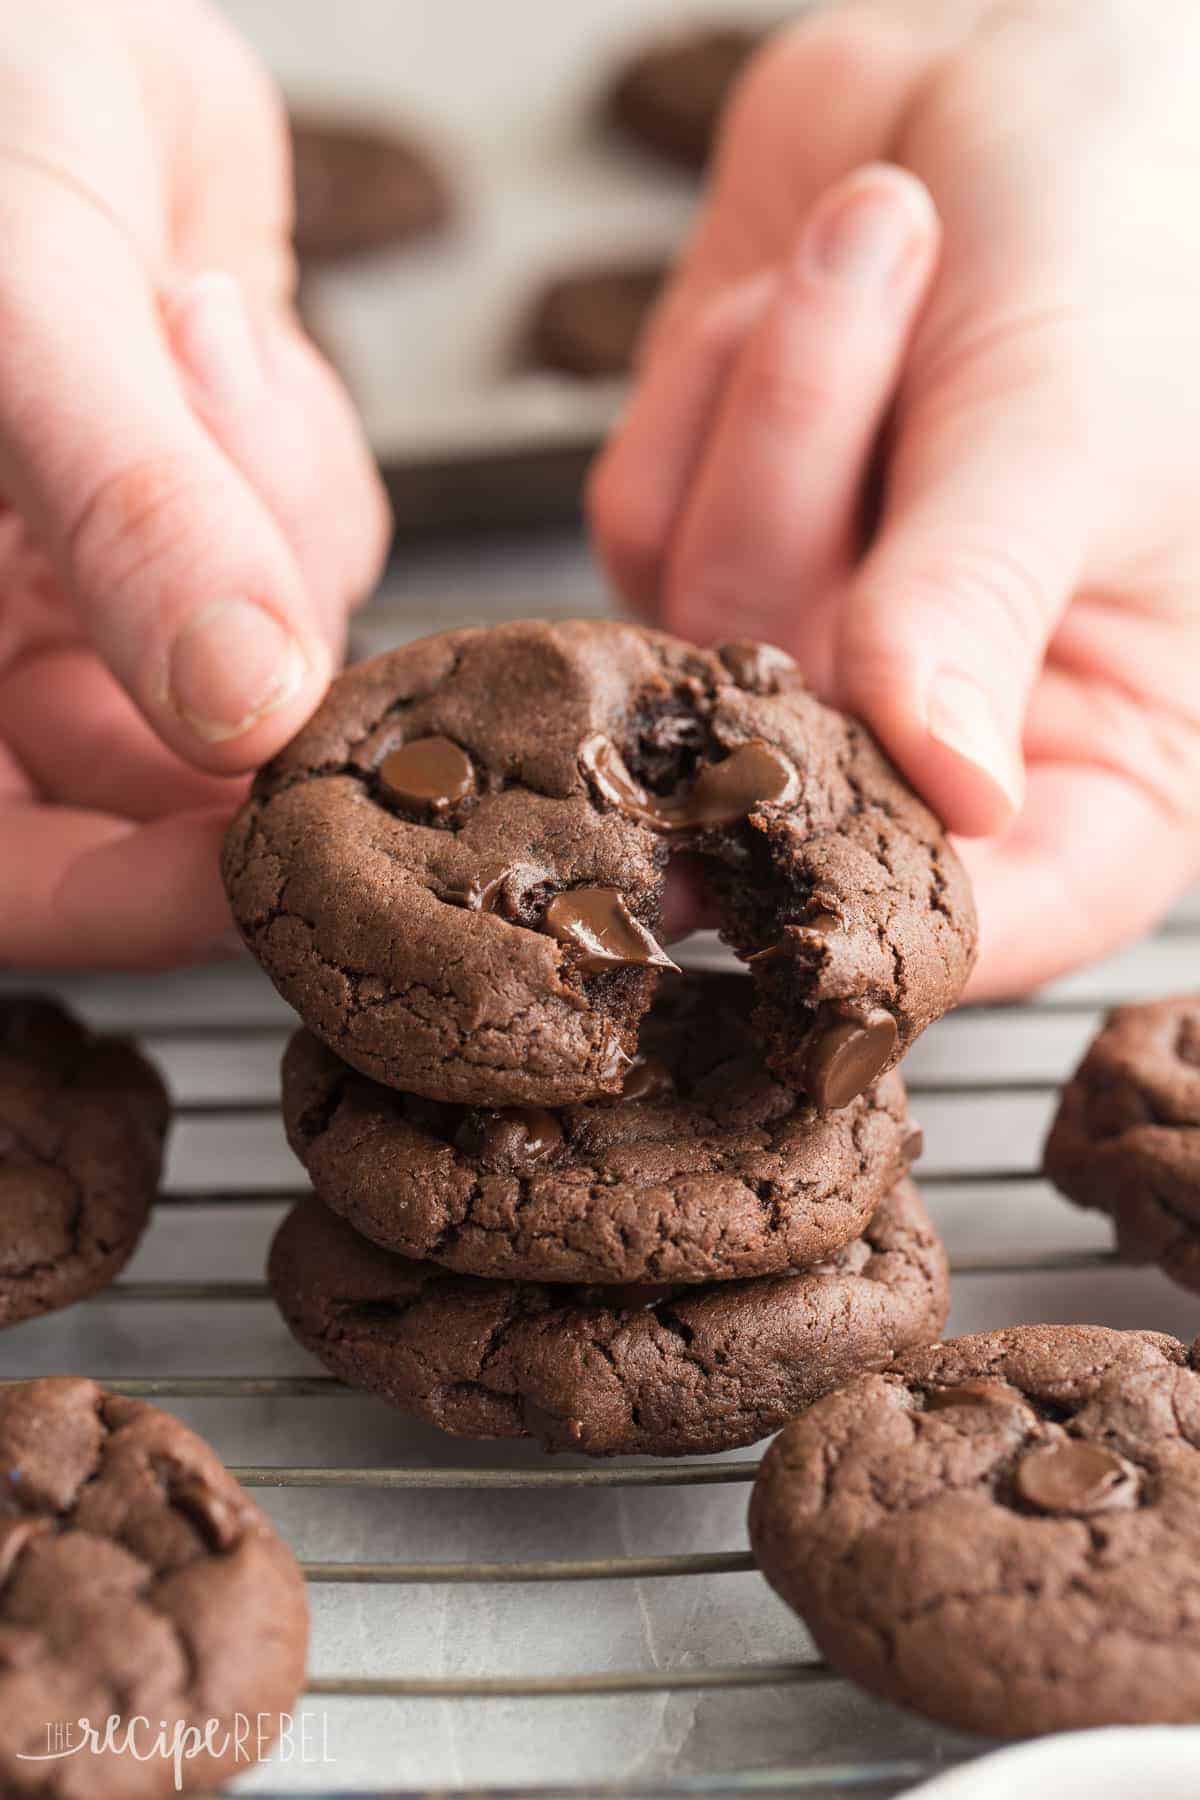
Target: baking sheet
[429, 336]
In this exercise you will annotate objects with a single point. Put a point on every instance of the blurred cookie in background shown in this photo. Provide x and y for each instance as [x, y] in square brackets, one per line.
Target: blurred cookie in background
[360, 187]
[588, 322]
[671, 94]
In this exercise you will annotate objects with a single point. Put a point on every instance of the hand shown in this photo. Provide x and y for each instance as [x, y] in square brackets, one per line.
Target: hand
[188, 510]
[932, 427]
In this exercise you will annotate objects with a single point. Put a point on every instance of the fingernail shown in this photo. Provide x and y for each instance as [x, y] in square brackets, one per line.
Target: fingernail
[864, 237]
[231, 665]
[213, 336]
[960, 715]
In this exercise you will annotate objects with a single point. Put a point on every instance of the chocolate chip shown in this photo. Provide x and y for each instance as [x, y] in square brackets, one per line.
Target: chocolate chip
[512, 1141]
[973, 1393]
[1075, 1477]
[648, 1078]
[603, 763]
[479, 895]
[759, 668]
[600, 928]
[432, 772]
[755, 774]
[844, 1057]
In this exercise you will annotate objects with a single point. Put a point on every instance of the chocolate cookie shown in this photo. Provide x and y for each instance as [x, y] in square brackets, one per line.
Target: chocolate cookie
[1125, 1141]
[589, 323]
[359, 189]
[141, 1583]
[705, 1170]
[1004, 1531]
[671, 96]
[645, 1369]
[82, 1123]
[454, 871]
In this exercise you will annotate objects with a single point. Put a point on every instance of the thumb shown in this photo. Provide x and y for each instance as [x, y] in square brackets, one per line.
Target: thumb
[946, 626]
[181, 576]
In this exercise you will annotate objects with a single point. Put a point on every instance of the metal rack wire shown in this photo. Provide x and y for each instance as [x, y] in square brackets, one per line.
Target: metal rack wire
[988, 1185]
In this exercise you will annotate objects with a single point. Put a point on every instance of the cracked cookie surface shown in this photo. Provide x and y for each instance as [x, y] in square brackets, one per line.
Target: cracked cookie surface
[136, 1578]
[1003, 1531]
[454, 872]
[708, 1170]
[82, 1124]
[1126, 1139]
[664, 1372]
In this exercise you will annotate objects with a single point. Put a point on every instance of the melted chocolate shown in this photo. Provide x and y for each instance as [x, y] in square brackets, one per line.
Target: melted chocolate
[1075, 1477]
[759, 668]
[512, 1141]
[432, 772]
[755, 774]
[647, 1079]
[846, 1055]
[602, 931]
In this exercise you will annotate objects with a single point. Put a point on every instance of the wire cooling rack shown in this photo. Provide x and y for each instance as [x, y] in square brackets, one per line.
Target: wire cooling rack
[487, 1617]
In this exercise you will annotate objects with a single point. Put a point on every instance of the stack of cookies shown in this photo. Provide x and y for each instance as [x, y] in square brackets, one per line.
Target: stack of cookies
[561, 1189]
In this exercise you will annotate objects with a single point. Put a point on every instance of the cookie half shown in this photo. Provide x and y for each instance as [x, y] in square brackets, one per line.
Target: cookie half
[139, 1581]
[671, 94]
[706, 1169]
[82, 1124]
[1002, 1532]
[1126, 1140]
[643, 1370]
[454, 871]
[359, 189]
[589, 322]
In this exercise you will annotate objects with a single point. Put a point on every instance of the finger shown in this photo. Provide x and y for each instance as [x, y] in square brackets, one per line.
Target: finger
[775, 507]
[183, 579]
[82, 890]
[789, 135]
[945, 629]
[1048, 901]
[278, 411]
[637, 488]
[100, 753]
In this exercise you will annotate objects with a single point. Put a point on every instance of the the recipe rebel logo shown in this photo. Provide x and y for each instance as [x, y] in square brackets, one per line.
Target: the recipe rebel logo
[249, 1737]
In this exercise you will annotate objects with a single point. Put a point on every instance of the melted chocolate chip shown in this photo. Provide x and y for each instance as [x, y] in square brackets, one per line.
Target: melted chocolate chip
[602, 761]
[759, 668]
[755, 774]
[511, 1142]
[432, 772]
[479, 895]
[647, 1079]
[602, 931]
[1074, 1476]
[845, 1056]
[973, 1393]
